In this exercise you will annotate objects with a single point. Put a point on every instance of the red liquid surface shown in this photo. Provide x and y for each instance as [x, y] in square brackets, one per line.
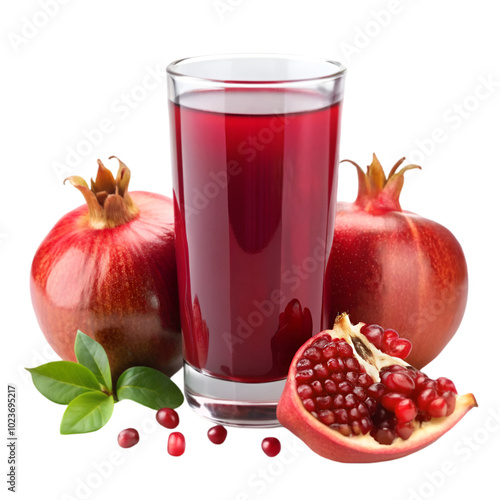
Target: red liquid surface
[254, 198]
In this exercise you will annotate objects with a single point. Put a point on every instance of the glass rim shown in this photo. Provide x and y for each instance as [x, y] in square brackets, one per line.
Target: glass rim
[173, 68]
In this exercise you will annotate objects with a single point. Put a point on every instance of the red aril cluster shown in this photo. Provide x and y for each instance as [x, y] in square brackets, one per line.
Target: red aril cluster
[336, 389]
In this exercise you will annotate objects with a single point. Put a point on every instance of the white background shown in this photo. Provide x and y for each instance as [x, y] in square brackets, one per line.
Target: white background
[413, 67]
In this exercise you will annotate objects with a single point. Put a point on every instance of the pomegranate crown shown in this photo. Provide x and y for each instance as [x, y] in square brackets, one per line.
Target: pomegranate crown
[108, 199]
[376, 192]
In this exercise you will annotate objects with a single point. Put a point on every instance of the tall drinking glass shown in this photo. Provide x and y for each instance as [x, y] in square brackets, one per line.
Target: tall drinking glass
[255, 142]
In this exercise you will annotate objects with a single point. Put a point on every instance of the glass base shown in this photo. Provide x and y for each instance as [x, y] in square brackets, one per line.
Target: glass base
[232, 403]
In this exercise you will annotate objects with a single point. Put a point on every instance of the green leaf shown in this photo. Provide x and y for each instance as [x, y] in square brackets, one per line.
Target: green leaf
[86, 413]
[148, 387]
[63, 381]
[91, 354]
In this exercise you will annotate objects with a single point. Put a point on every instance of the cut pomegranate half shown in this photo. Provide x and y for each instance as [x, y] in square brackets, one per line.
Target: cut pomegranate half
[351, 402]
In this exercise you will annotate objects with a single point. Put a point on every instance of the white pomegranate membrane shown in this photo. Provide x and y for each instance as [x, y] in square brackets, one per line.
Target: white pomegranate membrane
[337, 390]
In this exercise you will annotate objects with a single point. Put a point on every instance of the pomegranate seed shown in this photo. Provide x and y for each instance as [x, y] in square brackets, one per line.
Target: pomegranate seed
[445, 385]
[351, 377]
[374, 334]
[176, 444]
[344, 350]
[305, 391]
[364, 380]
[339, 401]
[322, 342]
[326, 416]
[350, 401]
[324, 402]
[404, 430]
[352, 364]
[217, 434]
[398, 382]
[330, 386]
[167, 417]
[354, 414]
[128, 438]
[313, 354]
[384, 436]
[320, 371]
[344, 429]
[360, 393]
[388, 337]
[338, 377]
[304, 376]
[341, 416]
[330, 351]
[345, 388]
[376, 390]
[335, 365]
[405, 410]
[309, 404]
[371, 405]
[437, 408]
[316, 387]
[451, 400]
[425, 398]
[391, 399]
[399, 348]
[304, 363]
[271, 446]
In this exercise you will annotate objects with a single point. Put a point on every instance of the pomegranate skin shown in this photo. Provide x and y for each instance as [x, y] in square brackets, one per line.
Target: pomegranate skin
[392, 267]
[117, 285]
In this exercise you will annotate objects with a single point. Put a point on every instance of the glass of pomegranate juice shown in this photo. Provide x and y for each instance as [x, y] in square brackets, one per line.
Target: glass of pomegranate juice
[255, 153]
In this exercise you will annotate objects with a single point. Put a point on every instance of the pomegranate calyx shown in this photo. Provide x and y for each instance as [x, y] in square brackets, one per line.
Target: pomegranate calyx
[376, 192]
[108, 200]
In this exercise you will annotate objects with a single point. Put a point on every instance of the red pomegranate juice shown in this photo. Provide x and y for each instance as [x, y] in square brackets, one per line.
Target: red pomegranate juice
[254, 196]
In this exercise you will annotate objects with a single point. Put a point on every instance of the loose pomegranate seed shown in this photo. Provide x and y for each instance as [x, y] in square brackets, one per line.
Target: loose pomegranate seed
[217, 434]
[167, 417]
[128, 438]
[176, 444]
[271, 446]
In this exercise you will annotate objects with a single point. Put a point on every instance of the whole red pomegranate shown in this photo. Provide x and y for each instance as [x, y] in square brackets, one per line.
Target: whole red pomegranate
[108, 269]
[393, 267]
